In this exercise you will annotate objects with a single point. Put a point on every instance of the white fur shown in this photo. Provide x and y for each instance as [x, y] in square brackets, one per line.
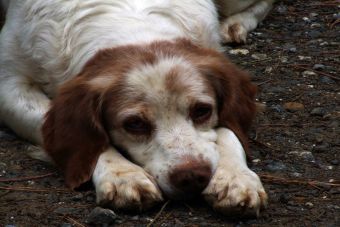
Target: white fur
[234, 184]
[45, 43]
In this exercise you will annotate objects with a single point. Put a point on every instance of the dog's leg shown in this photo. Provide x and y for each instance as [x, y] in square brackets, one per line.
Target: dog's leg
[236, 27]
[122, 184]
[234, 188]
[22, 105]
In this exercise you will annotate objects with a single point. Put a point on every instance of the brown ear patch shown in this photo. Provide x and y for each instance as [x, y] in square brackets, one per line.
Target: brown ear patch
[73, 132]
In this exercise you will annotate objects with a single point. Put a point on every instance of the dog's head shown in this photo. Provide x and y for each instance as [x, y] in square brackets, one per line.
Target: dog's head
[159, 104]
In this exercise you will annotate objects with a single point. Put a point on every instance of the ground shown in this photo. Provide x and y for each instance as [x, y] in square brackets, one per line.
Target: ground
[294, 58]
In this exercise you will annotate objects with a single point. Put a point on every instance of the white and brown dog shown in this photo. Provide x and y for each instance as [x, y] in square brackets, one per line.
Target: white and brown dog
[136, 95]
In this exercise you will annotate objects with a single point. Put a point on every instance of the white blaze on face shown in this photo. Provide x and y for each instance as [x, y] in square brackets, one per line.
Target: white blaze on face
[167, 90]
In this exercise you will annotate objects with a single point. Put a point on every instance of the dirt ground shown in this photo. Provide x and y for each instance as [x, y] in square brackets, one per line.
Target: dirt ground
[294, 57]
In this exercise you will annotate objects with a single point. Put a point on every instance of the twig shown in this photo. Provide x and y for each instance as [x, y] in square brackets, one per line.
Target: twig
[26, 178]
[28, 189]
[313, 183]
[264, 82]
[317, 72]
[74, 222]
[334, 23]
[158, 214]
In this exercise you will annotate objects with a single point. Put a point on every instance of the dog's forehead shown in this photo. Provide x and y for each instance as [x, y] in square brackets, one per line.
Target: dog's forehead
[169, 81]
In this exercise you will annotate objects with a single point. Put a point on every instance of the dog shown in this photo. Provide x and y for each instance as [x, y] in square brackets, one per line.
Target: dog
[135, 95]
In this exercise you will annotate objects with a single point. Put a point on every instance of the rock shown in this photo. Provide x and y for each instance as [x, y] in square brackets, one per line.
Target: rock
[268, 69]
[318, 111]
[275, 166]
[319, 66]
[334, 162]
[321, 148]
[278, 108]
[78, 197]
[309, 204]
[239, 51]
[102, 216]
[326, 80]
[66, 225]
[259, 56]
[65, 210]
[306, 19]
[281, 9]
[315, 25]
[306, 58]
[294, 106]
[307, 156]
[308, 73]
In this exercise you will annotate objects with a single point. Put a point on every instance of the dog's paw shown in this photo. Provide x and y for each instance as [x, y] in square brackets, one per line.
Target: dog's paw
[233, 32]
[239, 192]
[132, 189]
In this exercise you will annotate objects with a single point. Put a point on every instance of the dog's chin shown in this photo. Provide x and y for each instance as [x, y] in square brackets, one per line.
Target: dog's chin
[175, 194]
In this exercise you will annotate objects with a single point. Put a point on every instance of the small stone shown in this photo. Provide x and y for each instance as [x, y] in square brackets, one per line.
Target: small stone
[313, 14]
[78, 197]
[307, 156]
[334, 162]
[321, 148]
[256, 160]
[306, 58]
[308, 73]
[259, 56]
[309, 204]
[281, 9]
[315, 25]
[239, 51]
[268, 69]
[275, 166]
[285, 198]
[294, 106]
[318, 111]
[66, 225]
[319, 66]
[278, 108]
[306, 19]
[102, 216]
[284, 59]
[65, 210]
[326, 80]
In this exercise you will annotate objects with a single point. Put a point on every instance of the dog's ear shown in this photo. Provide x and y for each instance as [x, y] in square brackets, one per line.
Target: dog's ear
[73, 132]
[235, 96]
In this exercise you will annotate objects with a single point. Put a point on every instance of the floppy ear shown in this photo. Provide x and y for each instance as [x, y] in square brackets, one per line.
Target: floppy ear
[235, 96]
[73, 134]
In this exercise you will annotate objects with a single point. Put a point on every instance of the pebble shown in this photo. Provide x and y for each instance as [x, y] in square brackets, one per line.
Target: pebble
[65, 210]
[318, 111]
[321, 148]
[78, 197]
[315, 25]
[334, 162]
[309, 204]
[268, 69]
[293, 106]
[259, 56]
[306, 19]
[102, 216]
[66, 225]
[326, 80]
[308, 73]
[319, 66]
[307, 58]
[281, 9]
[239, 51]
[307, 156]
[275, 166]
[277, 108]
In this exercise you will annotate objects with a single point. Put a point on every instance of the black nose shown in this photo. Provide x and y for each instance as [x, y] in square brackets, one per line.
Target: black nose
[191, 177]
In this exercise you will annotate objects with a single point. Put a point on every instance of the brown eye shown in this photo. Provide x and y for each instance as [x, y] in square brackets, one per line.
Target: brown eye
[200, 112]
[137, 125]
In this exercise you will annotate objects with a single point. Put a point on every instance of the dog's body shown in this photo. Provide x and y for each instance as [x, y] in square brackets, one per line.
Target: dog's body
[146, 77]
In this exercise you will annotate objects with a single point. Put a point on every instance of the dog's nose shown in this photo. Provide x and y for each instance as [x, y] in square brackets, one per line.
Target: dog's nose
[191, 177]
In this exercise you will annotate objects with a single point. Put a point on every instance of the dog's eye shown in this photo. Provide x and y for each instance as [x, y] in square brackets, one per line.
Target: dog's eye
[137, 125]
[200, 112]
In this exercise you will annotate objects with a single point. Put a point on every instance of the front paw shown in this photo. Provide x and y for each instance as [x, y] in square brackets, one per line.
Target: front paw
[233, 32]
[236, 192]
[128, 189]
